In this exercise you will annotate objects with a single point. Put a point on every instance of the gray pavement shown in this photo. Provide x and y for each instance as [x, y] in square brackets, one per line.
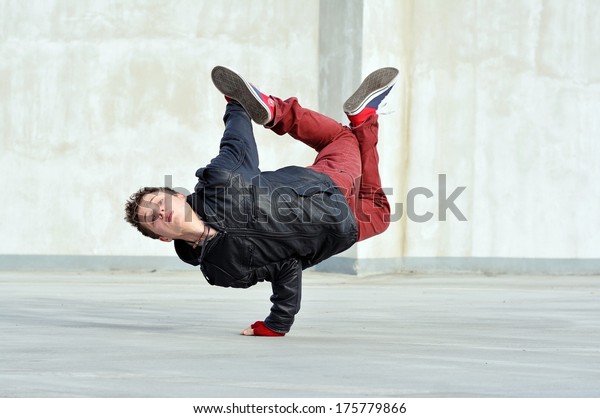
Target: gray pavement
[170, 334]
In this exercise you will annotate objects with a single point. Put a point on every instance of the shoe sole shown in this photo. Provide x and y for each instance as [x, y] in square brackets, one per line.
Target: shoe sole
[235, 87]
[375, 83]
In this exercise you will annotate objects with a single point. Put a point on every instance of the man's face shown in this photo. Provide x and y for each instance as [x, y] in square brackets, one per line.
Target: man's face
[165, 214]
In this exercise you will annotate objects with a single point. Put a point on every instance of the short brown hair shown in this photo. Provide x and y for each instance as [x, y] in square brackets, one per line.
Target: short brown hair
[133, 203]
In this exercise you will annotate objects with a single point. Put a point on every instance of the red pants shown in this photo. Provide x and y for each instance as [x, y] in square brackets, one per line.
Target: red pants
[347, 155]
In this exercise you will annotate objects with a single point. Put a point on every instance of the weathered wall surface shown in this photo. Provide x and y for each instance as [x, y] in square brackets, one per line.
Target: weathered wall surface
[504, 99]
[98, 99]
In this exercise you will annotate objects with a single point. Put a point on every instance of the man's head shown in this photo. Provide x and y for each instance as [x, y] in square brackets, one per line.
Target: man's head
[158, 212]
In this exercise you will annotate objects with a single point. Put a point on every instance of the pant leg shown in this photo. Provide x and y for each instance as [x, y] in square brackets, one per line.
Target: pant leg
[338, 153]
[237, 150]
[313, 128]
[372, 209]
[348, 156]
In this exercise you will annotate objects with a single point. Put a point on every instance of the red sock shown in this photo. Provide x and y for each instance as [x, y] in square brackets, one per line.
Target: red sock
[356, 120]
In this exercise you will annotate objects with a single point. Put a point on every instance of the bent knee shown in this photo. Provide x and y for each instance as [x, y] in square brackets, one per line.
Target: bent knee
[372, 220]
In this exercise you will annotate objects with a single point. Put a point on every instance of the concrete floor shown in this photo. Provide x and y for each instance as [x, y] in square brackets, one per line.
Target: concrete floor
[172, 335]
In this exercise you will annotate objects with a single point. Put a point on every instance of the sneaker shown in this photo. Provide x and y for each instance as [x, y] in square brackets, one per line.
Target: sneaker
[367, 98]
[259, 106]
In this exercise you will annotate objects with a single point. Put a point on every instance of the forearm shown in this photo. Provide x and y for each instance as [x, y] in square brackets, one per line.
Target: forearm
[287, 293]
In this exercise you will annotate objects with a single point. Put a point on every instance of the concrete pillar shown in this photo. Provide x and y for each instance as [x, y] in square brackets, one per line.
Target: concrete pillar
[340, 63]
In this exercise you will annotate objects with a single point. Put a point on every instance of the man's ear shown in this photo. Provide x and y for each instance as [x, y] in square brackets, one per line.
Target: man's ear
[164, 239]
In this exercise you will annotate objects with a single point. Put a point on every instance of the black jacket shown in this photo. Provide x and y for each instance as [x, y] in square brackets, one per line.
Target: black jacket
[271, 226]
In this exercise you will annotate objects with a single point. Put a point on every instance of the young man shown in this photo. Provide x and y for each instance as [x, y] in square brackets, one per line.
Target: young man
[242, 226]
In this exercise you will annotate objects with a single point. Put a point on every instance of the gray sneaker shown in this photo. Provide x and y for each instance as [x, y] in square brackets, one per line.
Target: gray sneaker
[371, 91]
[259, 106]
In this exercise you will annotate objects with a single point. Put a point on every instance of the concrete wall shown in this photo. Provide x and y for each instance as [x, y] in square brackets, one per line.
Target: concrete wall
[503, 98]
[100, 98]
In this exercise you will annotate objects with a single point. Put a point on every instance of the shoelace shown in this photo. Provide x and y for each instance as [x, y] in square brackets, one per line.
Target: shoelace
[383, 104]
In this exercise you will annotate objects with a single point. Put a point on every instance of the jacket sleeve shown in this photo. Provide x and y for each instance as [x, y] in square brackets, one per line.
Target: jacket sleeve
[287, 291]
